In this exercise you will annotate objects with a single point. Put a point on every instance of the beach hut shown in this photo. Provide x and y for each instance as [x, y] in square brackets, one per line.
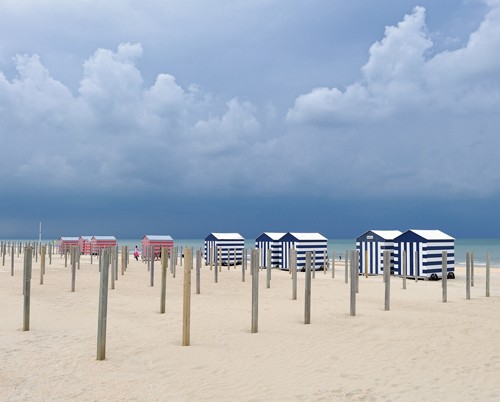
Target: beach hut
[157, 242]
[428, 245]
[85, 244]
[270, 241]
[65, 243]
[227, 243]
[303, 242]
[97, 243]
[371, 246]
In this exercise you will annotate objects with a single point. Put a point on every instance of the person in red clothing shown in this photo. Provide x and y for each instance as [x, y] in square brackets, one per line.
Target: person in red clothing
[136, 254]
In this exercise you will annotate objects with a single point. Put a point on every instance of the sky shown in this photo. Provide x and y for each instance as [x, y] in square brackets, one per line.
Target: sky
[129, 118]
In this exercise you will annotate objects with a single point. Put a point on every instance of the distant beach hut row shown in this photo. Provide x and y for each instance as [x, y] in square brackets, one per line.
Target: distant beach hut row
[87, 244]
[229, 248]
[423, 250]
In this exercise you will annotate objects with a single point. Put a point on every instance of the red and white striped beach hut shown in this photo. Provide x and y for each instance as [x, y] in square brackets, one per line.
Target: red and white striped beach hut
[99, 242]
[157, 242]
[65, 243]
[85, 244]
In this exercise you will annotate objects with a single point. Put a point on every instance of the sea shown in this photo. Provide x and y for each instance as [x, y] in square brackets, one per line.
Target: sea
[480, 247]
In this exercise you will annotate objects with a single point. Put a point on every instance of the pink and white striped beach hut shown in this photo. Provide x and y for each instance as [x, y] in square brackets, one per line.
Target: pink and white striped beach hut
[85, 244]
[157, 241]
[65, 243]
[99, 242]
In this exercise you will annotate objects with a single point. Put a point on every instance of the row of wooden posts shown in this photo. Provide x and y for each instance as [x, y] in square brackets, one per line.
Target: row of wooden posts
[109, 258]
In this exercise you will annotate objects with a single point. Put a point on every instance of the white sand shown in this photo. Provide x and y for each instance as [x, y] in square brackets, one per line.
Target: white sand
[421, 350]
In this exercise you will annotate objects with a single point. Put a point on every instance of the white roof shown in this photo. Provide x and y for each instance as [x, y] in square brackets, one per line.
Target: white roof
[274, 235]
[228, 236]
[387, 234]
[69, 238]
[104, 237]
[86, 237]
[432, 234]
[308, 236]
[159, 237]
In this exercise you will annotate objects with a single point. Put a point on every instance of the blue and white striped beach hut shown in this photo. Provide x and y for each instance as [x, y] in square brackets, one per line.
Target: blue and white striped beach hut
[272, 241]
[371, 246]
[303, 242]
[227, 243]
[429, 245]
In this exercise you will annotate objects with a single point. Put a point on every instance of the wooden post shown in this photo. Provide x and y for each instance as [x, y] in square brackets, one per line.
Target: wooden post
[50, 253]
[467, 276]
[293, 268]
[216, 268]
[186, 305]
[112, 263]
[198, 272]
[152, 270]
[324, 261]
[472, 269]
[444, 274]
[211, 257]
[313, 264]
[12, 261]
[387, 274]
[65, 256]
[307, 296]
[268, 269]
[243, 264]
[220, 259]
[356, 260]
[73, 270]
[416, 267]
[405, 266]
[122, 260]
[163, 297]
[353, 283]
[103, 306]
[487, 275]
[333, 263]
[367, 263]
[255, 290]
[27, 287]
[346, 259]
[42, 264]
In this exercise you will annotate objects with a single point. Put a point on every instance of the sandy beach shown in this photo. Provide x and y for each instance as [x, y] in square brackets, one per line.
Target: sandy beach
[420, 350]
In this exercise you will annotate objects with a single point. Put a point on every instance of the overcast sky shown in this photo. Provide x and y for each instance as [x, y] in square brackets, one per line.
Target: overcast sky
[162, 117]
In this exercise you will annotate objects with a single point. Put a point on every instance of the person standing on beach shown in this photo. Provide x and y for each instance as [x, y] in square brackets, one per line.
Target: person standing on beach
[136, 254]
